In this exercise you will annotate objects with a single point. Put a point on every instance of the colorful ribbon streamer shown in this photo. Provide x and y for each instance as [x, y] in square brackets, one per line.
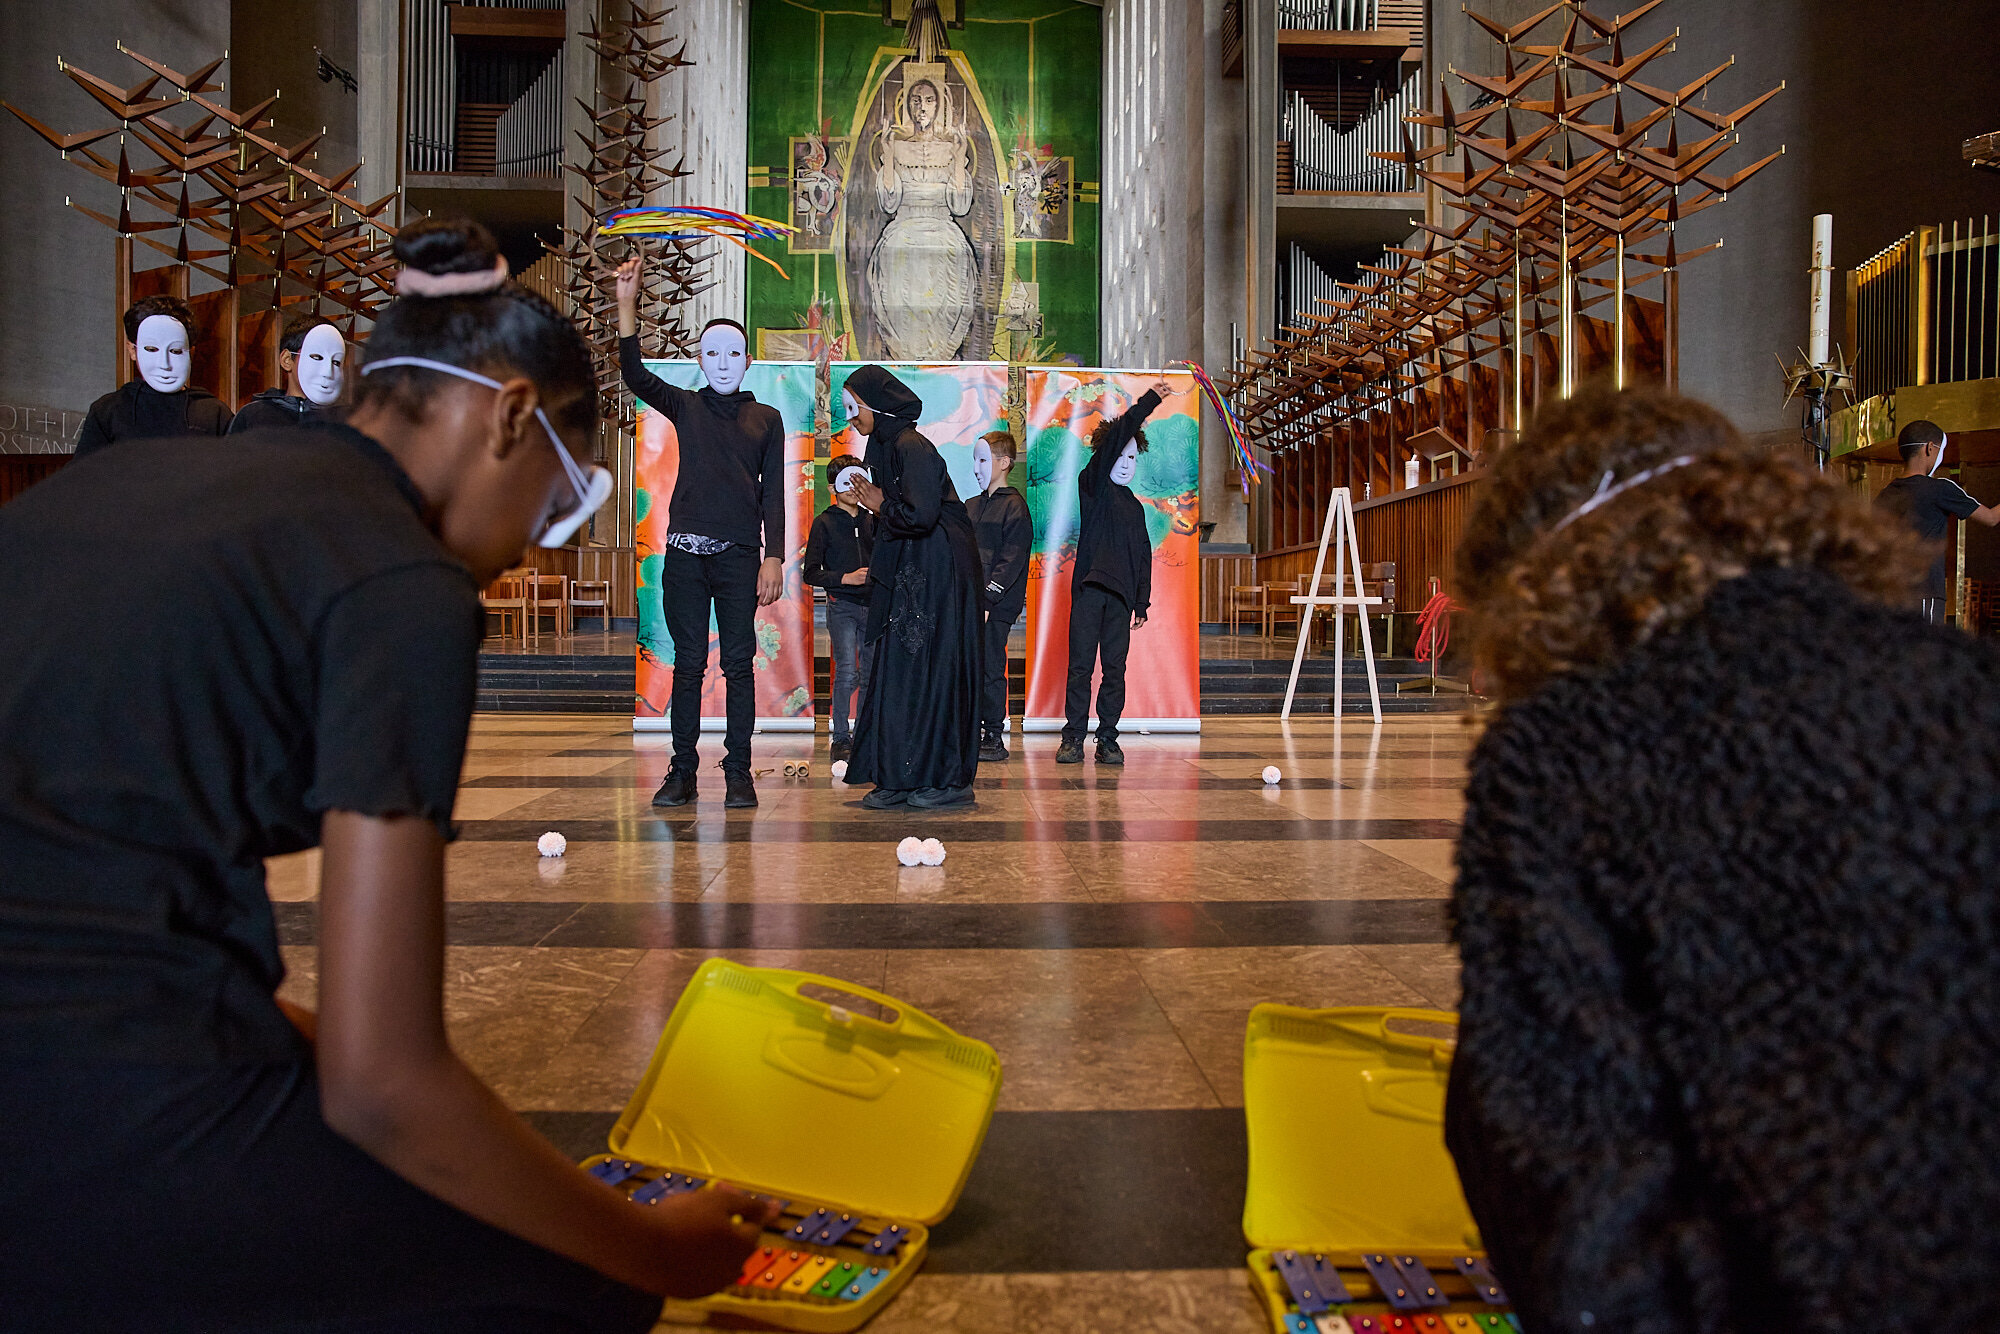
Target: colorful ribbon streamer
[686, 222]
[1248, 467]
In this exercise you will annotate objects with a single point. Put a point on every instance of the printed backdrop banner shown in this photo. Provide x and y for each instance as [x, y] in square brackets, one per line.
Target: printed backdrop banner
[784, 658]
[1163, 673]
[962, 401]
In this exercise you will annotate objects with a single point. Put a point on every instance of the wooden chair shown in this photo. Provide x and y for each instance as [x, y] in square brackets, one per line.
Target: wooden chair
[1278, 604]
[591, 595]
[1245, 601]
[507, 598]
[548, 595]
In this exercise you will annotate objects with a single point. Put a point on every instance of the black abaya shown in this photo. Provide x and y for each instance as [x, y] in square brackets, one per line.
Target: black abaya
[919, 724]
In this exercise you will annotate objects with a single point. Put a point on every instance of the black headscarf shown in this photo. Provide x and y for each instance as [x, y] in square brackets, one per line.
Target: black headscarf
[887, 397]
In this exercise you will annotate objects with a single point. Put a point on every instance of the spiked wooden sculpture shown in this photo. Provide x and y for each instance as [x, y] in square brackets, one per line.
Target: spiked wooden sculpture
[1553, 185]
[628, 166]
[244, 211]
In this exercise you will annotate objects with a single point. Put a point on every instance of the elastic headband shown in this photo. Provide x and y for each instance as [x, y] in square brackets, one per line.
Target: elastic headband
[591, 489]
[415, 282]
[1606, 492]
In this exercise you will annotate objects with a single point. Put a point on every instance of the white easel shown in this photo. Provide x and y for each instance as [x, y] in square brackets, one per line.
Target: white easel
[1338, 529]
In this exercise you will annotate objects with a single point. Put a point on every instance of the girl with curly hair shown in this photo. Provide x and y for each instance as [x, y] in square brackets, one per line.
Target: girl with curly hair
[1726, 896]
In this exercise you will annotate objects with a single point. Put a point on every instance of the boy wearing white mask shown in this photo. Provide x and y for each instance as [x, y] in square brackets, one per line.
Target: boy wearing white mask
[313, 356]
[160, 403]
[731, 485]
[1111, 583]
[1006, 532]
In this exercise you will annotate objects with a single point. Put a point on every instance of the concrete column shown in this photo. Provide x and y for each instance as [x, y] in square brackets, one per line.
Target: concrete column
[580, 65]
[1224, 212]
[378, 113]
[1151, 253]
[709, 103]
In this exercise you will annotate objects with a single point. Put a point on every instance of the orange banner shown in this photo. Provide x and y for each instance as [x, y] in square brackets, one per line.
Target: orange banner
[1163, 673]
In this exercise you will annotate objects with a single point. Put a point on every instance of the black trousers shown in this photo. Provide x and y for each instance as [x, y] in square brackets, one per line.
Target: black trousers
[1100, 626]
[993, 668]
[200, 1200]
[689, 586]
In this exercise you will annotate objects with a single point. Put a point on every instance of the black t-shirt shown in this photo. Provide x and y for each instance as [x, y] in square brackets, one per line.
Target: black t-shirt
[1927, 505]
[204, 646]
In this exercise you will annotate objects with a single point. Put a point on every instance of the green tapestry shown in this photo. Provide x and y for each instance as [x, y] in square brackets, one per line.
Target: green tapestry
[940, 160]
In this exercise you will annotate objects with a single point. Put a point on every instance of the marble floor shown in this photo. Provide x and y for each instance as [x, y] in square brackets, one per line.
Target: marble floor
[1106, 931]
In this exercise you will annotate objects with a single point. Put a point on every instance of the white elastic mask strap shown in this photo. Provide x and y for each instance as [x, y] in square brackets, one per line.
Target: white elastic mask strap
[591, 490]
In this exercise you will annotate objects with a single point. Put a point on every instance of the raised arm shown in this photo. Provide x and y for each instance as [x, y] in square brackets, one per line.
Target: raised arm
[647, 387]
[1123, 428]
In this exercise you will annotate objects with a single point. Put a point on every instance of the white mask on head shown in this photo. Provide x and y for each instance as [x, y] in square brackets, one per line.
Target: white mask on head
[162, 353]
[982, 465]
[320, 362]
[724, 358]
[1938, 457]
[852, 408]
[1127, 467]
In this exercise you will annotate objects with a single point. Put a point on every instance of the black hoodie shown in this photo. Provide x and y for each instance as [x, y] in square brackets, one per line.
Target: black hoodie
[137, 411]
[1113, 548]
[275, 407]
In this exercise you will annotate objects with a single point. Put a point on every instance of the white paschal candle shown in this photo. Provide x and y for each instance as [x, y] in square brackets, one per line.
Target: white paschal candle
[1822, 289]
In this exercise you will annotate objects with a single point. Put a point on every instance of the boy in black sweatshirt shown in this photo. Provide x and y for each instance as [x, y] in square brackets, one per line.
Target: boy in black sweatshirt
[159, 337]
[313, 357]
[1006, 532]
[731, 483]
[1111, 583]
[837, 554]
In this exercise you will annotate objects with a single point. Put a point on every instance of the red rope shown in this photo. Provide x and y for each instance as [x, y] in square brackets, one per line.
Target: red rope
[1434, 625]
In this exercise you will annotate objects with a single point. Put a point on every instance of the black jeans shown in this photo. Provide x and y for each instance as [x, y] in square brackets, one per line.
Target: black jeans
[227, 1203]
[689, 585]
[848, 660]
[1100, 623]
[993, 669]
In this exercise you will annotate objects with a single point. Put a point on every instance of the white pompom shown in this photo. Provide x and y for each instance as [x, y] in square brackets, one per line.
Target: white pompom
[1271, 774]
[840, 770]
[931, 852]
[910, 851]
[551, 844]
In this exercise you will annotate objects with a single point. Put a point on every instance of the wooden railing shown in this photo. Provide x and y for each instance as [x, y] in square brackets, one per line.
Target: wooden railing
[1418, 529]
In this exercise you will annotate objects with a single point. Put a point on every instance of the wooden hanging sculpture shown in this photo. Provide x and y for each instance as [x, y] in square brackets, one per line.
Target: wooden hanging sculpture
[1553, 183]
[220, 197]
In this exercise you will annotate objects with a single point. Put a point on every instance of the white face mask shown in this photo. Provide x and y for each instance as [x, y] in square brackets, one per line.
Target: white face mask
[162, 348]
[320, 360]
[724, 358]
[1127, 467]
[852, 407]
[1940, 456]
[982, 465]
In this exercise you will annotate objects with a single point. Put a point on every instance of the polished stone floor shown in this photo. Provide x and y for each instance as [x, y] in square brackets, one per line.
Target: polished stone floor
[1106, 931]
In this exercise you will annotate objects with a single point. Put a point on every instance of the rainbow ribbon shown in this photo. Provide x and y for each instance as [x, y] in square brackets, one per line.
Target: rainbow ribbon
[689, 222]
[1238, 441]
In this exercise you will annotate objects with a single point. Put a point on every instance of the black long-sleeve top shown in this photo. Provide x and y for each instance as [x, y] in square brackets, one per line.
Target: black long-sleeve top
[1730, 995]
[137, 411]
[1113, 549]
[732, 465]
[1006, 533]
[275, 407]
[840, 543]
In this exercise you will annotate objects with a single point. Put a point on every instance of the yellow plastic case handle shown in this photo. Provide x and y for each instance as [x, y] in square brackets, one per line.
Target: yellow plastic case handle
[911, 1023]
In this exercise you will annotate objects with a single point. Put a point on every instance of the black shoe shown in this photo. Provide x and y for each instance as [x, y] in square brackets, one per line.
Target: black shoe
[1108, 751]
[882, 799]
[678, 790]
[937, 798]
[739, 791]
[991, 747]
[841, 750]
[1069, 752]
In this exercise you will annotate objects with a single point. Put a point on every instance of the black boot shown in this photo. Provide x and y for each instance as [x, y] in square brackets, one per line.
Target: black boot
[1108, 751]
[884, 798]
[739, 791]
[991, 747]
[1070, 751]
[937, 798]
[678, 790]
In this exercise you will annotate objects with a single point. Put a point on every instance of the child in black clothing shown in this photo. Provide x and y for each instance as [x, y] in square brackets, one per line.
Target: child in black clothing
[312, 355]
[837, 554]
[1006, 531]
[1111, 584]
